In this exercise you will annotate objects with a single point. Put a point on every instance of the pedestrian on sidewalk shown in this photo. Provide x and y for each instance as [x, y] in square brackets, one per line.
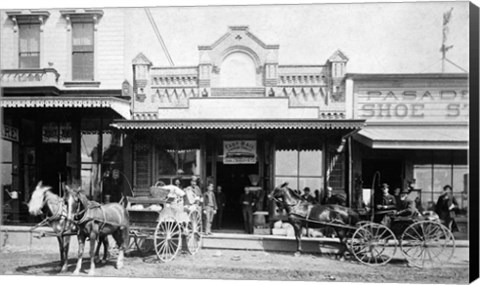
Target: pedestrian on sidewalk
[446, 207]
[221, 201]
[248, 201]
[209, 207]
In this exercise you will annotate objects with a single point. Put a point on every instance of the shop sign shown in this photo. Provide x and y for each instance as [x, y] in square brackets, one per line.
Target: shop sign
[413, 105]
[240, 152]
[57, 133]
[10, 133]
[65, 133]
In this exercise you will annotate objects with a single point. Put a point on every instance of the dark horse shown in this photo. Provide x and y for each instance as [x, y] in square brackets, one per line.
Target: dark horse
[302, 214]
[97, 221]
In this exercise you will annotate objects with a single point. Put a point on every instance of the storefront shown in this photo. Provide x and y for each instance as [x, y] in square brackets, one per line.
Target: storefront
[57, 140]
[416, 134]
[236, 118]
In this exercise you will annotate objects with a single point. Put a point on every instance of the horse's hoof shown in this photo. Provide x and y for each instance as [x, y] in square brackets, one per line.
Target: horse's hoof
[119, 266]
[103, 261]
[76, 272]
[297, 254]
[91, 272]
[63, 270]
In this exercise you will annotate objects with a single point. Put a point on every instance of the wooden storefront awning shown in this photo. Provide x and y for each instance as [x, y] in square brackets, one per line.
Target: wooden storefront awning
[120, 106]
[238, 124]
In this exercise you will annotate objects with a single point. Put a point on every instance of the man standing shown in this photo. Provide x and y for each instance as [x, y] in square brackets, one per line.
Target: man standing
[221, 200]
[248, 202]
[209, 207]
[446, 207]
[193, 194]
[387, 201]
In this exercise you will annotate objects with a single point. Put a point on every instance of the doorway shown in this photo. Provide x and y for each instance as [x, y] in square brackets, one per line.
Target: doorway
[391, 172]
[53, 165]
[234, 178]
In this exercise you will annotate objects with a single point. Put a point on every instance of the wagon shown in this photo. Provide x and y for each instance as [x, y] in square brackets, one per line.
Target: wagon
[423, 241]
[164, 224]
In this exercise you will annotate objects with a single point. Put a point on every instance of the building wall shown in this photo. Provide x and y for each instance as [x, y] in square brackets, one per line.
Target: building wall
[55, 47]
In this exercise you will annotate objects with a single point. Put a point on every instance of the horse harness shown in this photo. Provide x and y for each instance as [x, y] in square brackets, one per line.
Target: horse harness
[85, 218]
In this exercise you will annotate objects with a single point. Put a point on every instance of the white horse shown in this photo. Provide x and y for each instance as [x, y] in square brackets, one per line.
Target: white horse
[43, 201]
[56, 210]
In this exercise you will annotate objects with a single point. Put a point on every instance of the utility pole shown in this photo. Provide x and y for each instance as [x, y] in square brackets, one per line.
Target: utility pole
[445, 48]
[159, 36]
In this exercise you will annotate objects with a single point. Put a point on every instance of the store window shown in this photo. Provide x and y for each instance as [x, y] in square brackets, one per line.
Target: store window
[432, 177]
[102, 165]
[29, 45]
[299, 168]
[176, 162]
[7, 167]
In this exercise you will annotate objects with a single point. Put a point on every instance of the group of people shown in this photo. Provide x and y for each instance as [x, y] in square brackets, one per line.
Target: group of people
[328, 199]
[211, 203]
[402, 205]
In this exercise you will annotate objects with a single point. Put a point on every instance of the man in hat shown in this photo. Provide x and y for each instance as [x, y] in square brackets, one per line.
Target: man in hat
[387, 201]
[406, 207]
[209, 207]
[193, 194]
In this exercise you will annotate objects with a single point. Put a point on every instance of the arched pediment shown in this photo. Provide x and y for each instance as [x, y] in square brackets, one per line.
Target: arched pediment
[238, 38]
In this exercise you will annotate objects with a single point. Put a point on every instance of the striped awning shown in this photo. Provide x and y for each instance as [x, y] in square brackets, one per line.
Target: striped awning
[122, 107]
[239, 124]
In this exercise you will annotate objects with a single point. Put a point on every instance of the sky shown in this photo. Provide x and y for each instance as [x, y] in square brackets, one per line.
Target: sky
[377, 38]
[383, 37]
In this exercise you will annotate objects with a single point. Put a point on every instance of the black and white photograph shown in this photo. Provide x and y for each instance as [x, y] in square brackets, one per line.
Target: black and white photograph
[212, 143]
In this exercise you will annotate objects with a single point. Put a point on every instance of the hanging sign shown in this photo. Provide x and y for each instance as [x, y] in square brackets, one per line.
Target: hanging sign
[50, 133]
[57, 133]
[10, 133]
[239, 152]
[65, 133]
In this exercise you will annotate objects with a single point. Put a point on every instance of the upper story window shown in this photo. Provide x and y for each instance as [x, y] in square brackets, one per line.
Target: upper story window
[82, 51]
[27, 27]
[29, 46]
[81, 26]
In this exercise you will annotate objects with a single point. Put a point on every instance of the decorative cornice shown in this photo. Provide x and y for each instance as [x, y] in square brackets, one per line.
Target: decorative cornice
[30, 16]
[59, 102]
[80, 15]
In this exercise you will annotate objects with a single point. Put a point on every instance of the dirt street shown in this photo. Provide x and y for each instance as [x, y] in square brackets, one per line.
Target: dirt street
[239, 265]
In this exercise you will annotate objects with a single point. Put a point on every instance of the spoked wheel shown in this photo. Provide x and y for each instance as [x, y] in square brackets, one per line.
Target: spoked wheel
[168, 238]
[427, 244]
[194, 232]
[373, 244]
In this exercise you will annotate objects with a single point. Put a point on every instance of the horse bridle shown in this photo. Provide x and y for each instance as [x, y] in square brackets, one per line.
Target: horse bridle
[56, 216]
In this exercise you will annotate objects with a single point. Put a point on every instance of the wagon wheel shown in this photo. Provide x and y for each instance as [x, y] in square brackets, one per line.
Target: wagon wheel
[168, 238]
[427, 244]
[194, 229]
[373, 244]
